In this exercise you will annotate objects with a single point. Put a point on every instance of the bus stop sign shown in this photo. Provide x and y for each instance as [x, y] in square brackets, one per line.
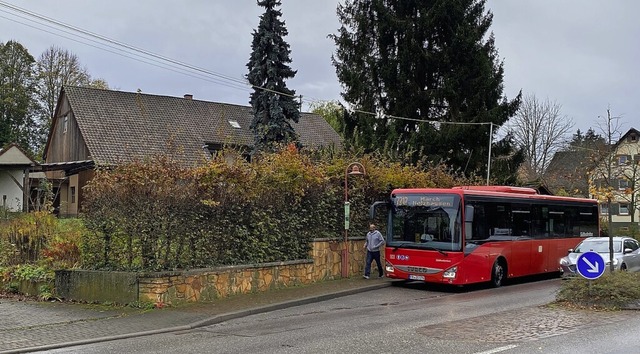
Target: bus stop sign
[590, 265]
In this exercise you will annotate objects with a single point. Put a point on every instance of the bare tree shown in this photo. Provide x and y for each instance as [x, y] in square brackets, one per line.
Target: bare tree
[539, 130]
[603, 176]
[57, 67]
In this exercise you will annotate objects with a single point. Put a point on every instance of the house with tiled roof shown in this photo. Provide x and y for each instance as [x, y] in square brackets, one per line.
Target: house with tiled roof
[96, 127]
[618, 175]
[568, 173]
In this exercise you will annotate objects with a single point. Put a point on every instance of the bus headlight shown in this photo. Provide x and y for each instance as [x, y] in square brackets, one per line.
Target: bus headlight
[450, 273]
[389, 268]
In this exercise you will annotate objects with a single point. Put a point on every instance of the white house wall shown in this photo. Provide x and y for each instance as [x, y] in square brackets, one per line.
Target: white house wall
[10, 192]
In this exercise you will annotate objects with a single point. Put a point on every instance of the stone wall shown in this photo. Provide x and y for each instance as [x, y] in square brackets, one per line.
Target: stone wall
[325, 263]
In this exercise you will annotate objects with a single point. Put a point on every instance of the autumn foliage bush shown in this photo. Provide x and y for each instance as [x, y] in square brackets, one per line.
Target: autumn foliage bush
[34, 244]
[160, 215]
[23, 237]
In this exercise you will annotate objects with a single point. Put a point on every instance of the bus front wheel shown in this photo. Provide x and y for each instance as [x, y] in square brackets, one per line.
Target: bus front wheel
[498, 273]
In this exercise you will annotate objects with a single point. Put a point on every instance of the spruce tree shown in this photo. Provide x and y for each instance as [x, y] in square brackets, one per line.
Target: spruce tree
[427, 61]
[274, 105]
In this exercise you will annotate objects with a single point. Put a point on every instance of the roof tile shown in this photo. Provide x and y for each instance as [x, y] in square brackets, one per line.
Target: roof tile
[120, 126]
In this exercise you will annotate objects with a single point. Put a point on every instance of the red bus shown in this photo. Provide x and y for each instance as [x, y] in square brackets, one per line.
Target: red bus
[474, 234]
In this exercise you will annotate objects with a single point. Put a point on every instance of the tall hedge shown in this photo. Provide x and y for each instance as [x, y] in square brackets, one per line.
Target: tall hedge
[157, 215]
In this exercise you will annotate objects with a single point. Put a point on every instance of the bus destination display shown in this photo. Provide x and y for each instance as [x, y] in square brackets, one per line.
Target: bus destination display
[444, 201]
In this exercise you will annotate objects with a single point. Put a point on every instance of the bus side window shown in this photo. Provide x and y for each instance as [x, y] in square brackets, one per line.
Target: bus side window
[521, 222]
[540, 227]
[498, 217]
[557, 221]
[480, 228]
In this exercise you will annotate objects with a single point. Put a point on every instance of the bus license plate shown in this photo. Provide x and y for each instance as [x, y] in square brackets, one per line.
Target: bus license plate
[416, 277]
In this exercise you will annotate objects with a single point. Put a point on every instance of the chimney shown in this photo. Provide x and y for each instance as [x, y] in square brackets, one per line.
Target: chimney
[188, 96]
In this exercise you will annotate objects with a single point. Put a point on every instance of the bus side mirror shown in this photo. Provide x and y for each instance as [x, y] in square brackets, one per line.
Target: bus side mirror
[468, 213]
[372, 210]
[468, 222]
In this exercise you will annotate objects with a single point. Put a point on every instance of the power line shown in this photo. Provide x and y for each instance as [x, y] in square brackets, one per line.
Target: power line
[124, 54]
[154, 59]
[132, 50]
[118, 43]
[139, 50]
[422, 120]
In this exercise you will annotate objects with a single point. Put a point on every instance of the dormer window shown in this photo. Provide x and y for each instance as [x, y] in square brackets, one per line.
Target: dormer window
[234, 123]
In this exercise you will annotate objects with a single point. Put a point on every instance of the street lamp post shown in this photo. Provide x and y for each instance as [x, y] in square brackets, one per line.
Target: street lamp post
[489, 160]
[354, 168]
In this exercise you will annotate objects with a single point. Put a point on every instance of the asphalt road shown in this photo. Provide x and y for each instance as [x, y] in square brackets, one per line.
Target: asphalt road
[410, 319]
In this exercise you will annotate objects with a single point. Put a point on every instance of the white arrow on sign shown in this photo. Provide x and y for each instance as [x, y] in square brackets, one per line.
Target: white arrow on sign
[594, 268]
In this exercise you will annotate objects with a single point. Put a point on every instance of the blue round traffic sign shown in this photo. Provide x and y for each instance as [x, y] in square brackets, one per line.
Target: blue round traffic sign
[590, 265]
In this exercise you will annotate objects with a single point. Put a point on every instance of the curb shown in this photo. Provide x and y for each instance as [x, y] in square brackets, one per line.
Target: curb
[206, 322]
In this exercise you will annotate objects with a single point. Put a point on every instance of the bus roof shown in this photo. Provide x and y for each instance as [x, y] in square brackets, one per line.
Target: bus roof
[494, 191]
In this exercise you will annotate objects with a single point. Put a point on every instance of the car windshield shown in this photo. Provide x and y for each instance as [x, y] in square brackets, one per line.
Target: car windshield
[600, 246]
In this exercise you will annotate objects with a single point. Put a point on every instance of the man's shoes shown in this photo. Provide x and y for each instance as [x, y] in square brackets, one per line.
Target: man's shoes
[366, 277]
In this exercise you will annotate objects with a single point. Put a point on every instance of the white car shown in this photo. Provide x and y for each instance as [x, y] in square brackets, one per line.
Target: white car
[626, 253]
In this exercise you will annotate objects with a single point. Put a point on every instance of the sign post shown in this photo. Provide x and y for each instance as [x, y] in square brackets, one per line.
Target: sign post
[590, 265]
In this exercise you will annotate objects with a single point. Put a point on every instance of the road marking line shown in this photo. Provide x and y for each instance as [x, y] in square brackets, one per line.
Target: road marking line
[498, 350]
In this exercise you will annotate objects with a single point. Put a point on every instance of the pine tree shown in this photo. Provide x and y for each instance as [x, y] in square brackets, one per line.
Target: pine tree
[428, 61]
[274, 107]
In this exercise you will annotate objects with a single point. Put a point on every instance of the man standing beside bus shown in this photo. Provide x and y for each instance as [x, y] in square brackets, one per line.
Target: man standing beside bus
[373, 243]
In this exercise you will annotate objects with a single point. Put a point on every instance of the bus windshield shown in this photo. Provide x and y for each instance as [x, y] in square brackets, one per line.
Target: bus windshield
[426, 221]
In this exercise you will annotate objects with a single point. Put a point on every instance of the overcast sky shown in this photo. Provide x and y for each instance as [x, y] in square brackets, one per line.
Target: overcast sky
[583, 54]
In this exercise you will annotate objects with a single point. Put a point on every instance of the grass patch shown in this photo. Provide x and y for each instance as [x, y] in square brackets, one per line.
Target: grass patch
[612, 291]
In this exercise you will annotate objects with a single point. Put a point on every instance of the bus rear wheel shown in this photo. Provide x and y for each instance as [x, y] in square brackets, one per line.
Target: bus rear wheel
[498, 273]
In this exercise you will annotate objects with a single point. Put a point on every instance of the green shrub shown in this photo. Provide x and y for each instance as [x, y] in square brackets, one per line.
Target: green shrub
[30, 272]
[45, 292]
[610, 291]
[11, 288]
[157, 215]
